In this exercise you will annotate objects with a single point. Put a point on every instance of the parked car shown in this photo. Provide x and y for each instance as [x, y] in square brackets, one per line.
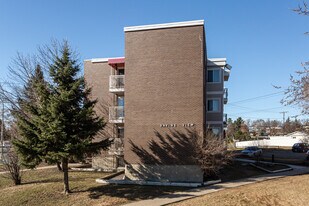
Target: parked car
[300, 147]
[252, 151]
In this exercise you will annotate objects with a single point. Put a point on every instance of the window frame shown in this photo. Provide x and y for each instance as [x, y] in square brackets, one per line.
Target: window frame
[216, 127]
[219, 102]
[220, 76]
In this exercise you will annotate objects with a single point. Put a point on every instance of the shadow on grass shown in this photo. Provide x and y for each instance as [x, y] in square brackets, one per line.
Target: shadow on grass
[49, 180]
[131, 192]
[52, 180]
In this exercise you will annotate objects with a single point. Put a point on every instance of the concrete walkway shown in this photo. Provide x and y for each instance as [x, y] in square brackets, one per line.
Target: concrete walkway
[46, 167]
[184, 195]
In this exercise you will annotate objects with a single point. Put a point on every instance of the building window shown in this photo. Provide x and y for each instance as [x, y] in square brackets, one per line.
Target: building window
[214, 76]
[213, 105]
[120, 72]
[120, 132]
[120, 101]
[216, 130]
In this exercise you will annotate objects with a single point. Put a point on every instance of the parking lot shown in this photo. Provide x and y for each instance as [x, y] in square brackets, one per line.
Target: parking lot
[281, 155]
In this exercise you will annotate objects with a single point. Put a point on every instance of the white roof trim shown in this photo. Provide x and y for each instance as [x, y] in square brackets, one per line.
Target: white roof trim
[221, 62]
[161, 26]
[98, 60]
[216, 59]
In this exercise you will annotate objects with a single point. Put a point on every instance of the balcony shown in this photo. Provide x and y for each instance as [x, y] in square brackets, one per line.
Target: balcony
[116, 114]
[226, 74]
[225, 95]
[116, 83]
[116, 147]
[225, 120]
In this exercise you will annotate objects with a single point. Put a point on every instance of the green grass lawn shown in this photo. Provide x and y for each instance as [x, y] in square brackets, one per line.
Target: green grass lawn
[44, 187]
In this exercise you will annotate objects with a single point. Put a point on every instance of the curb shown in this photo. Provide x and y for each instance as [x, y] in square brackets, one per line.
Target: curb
[94, 170]
[107, 180]
[272, 171]
[212, 182]
[113, 175]
[150, 183]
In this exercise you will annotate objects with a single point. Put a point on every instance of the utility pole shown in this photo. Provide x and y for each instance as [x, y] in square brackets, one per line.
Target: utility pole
[283, 113]
[2, 130]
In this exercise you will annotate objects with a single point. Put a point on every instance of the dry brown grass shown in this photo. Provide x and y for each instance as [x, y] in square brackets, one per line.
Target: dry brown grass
[44, 187]
[285, 191]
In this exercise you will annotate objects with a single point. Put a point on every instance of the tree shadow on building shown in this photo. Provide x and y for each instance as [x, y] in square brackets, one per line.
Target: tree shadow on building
[174, 149]
[182, 153]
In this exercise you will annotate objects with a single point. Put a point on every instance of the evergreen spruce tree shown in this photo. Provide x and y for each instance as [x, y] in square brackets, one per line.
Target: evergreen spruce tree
[27, 117]
[73, 122]
[60, 122]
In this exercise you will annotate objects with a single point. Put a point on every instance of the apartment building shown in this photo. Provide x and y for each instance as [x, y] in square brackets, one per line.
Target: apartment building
[164, 87]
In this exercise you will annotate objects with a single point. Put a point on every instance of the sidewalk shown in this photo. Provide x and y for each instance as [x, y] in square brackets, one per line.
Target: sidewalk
[180, 196]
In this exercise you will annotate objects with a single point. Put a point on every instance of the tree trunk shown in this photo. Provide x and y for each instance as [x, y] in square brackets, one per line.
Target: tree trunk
[65, 175]
[59, 166]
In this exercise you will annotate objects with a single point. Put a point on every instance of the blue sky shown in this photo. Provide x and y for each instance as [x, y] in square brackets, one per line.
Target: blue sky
[262, 39]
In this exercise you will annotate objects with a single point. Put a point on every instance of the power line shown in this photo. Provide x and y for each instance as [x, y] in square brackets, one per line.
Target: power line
[261, 110]
[258, 97]
[247, 117]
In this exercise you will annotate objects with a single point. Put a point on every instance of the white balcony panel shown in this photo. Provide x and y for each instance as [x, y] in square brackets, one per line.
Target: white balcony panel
[225, 120]
[225, 95]
[116, 83]
[116, 114]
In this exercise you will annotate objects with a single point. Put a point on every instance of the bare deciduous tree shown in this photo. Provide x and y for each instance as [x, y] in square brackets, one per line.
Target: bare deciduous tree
[211, 153]
[298, 92]
[302, 9]
[12, 166]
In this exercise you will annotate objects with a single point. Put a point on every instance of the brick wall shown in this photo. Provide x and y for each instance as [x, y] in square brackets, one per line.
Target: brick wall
[164, 85]
[97, 77]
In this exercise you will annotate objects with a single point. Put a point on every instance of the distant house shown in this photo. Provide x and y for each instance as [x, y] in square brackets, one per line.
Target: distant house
[276, 141]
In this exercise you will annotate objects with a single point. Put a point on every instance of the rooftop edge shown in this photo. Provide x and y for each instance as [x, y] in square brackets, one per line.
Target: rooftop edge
[165, 25]
[98, 60]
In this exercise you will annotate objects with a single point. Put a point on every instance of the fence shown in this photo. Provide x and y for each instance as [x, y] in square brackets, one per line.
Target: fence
[276, 141]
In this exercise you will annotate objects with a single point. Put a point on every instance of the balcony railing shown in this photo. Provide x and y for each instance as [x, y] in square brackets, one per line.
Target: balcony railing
[116, 147]
[225, 95]
[116, 114]
[224, 119]
[226, 74]
[116, 83]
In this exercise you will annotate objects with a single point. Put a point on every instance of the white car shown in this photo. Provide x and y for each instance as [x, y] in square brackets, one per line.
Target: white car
[252, 151]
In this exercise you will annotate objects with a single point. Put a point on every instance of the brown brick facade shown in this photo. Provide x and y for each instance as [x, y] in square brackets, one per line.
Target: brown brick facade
[97, 78]
[165, 96]
[164, 84]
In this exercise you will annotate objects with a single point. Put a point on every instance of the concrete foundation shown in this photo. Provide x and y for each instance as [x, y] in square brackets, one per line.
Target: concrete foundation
[164, 173]
[107, 162]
